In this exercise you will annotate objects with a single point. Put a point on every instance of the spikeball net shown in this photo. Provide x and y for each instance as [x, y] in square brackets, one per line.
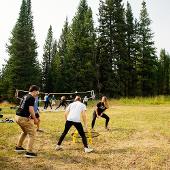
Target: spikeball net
[89, 135]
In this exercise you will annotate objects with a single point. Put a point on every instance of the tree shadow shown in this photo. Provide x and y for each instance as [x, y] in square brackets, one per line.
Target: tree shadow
[118, 130]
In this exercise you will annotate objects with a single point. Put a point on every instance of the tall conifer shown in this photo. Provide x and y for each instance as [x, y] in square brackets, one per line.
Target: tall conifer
[131, 51]
[59, 66]
[147, 59]
[164, 73]
[47, 60]
[112, 50]
[81, 46]
[22, 68]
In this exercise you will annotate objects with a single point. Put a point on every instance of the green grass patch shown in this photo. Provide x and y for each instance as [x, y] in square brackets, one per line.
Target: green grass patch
[157, 100]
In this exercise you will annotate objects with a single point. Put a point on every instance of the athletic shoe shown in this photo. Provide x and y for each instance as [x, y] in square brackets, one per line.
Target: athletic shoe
[88, 150]
[58, 147]
[30, 155]
[19, 149]
[107, 128]
[40, 130]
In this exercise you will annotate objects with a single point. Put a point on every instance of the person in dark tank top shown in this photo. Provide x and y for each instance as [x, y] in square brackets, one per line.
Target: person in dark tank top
[100, 112]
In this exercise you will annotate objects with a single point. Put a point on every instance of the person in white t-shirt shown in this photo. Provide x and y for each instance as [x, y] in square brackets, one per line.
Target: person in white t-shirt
[72, 116]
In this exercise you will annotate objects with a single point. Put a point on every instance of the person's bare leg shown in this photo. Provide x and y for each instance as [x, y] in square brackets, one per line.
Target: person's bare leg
[38, 125]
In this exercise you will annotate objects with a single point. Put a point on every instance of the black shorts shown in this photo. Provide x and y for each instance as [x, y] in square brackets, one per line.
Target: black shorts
[37, 115]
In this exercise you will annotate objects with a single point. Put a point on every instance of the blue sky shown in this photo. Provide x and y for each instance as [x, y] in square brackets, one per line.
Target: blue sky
[54, 12]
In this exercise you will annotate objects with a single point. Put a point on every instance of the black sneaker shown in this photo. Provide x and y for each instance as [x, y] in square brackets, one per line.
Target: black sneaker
[30, 155]
[19, 149]
[40, 130]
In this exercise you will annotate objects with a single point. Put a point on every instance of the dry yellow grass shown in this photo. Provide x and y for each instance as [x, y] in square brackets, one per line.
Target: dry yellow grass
[139, 138]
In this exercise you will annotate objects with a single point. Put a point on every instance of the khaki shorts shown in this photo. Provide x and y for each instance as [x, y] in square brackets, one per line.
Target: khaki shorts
[26, 124]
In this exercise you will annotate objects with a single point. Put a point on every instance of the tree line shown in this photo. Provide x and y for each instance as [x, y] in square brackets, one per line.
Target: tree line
[117, 58]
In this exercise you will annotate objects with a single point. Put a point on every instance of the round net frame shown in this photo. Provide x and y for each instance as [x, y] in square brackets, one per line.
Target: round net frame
[88, 134]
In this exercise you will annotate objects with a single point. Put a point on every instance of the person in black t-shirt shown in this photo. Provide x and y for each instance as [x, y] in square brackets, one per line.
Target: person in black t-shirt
[23, 118]
[63, 102]
[100, 112]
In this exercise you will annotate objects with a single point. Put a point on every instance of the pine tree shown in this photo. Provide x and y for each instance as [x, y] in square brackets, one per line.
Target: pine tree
[52, 70]
[59, 69]
[22, 68]
[112, 50]
[104, 53]
[47, 60]
[81, 45]
[131, 51]
[147, 60]
[164, 73]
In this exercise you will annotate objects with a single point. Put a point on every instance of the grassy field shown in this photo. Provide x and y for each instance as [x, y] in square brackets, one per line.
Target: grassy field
[139, 138]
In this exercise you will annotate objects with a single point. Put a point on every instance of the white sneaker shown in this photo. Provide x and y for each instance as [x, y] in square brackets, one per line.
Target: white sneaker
[88, 150]
[58, 147]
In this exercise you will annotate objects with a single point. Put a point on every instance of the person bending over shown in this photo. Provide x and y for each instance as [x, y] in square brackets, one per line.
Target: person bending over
[63, 102]
[100, 112]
